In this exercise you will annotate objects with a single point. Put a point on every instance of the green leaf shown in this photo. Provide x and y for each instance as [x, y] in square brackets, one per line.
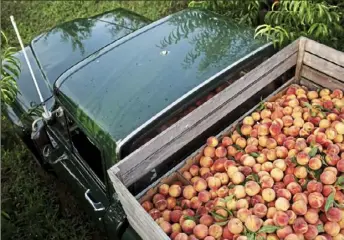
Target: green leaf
[320, 228]
[218, 216]
[222, 223]
[313, 152]
[227, 210]
[329, 201]
[253, 177]
[340, 181]
[337, 205]
[238, 129]
[230, 197]
[269, 229]
[5, 215]
[293, 160]
[254, 154]
[237, 147]
[193, 218]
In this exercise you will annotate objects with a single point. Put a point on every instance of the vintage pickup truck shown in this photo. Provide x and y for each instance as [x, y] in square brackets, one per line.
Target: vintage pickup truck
[113, 82]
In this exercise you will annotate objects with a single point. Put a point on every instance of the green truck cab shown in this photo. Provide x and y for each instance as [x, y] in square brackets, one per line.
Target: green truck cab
[113, 82]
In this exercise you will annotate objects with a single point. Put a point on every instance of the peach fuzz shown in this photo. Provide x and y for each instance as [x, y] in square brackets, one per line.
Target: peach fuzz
[282, 204]
[220, 152]
[214, 183]
[194, 170]
[226, 141]
[237, 177]
[266, 182]
[332, 228]
[312, 216]
[189, 192]
[253, 223]
[215, 231]
[181, 236]
[188, 226]
[328, 177]
[311, 233]
[260, 210]
[206, 162]
[315, 199]
[239, 192]
[200, 231]
[284, 232]
[212, 141]
[209, 152]
[315, 163]
[206, 220]
[252, 188]
[281, 219]
[299, 207]
[300, 226]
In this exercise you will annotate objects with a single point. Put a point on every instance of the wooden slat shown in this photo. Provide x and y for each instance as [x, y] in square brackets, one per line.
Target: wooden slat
[324, 51]
[300, 56]
[324, 66]
[320, 78]
[309, 84]
[138, 218]
[184, 131]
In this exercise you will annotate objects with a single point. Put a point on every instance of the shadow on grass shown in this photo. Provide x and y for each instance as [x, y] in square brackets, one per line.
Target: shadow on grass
[36, 204]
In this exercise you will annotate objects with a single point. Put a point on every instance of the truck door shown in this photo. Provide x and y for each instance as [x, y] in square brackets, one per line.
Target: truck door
[78, 162]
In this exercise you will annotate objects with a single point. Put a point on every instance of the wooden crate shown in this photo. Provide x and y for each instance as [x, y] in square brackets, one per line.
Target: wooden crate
[316, 66]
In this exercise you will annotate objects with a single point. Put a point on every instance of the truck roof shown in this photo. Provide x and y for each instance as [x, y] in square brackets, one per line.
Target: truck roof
[124, 85]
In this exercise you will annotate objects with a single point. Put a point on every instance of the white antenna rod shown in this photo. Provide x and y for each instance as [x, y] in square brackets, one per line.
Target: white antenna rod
[46, 113]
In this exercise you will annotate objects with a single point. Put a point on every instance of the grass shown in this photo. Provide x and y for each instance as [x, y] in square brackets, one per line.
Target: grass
[35, 205]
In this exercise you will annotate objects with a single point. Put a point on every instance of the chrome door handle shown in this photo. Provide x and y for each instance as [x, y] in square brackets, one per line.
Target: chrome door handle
[96, 206]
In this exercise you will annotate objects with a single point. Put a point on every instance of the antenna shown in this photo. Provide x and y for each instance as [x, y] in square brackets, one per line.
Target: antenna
[47, 114]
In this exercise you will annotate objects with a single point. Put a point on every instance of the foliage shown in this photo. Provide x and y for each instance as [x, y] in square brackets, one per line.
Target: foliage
[289, 20]
[285, 20]
[10, 70]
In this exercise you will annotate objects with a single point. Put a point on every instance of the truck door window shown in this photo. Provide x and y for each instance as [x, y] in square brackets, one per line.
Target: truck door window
[86, 149]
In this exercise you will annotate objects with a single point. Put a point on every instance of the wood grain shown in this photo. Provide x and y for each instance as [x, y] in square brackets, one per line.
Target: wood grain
[300, 56]
[138, 218]
[320, 78]
[324, 66]
[325, 52]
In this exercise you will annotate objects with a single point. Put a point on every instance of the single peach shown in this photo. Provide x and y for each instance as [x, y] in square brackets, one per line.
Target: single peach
[194, 170]
[252, 188]
[171, 202]
[206, 162]
[256, 168]
[155, 213]
[277, 174]
[266, 182]
[219, 164]
[327, 190]
[253, 223]
[209, 152]
[237, 177]
[299, 207]
[221, 152]
[281, 219]
[231, 204]
[212, 141]
[215, 231]
[315, 163]
[201, 184]
[247, 160]
[260, 210]
[312, 216]
[300, 225]
[188, 226]
[300, 172]
[242, 203]
[175, 216]
[268, 166]
[189, 192]
[339, 127]
[206, 220]
[226, 141]
[194, 179]
[334, 214]
[243, 213]
[239, 192]
[328, 177]
[315, 199]
[147, 205]
[314, 186]
[231, 151]
[263, 130]
[166, 227]
[284, 193]
[282, 204]
[332, 228]
[176, 227]
[222, 191]
[187, 175]
[175, 190]
[271, 212]
[282, 233]
[235, 226]
[200, 231]
[204, 196]
[300, 196]
[311, 233]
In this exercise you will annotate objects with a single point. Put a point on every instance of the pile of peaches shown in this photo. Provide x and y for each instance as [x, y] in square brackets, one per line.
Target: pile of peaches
[278, 175]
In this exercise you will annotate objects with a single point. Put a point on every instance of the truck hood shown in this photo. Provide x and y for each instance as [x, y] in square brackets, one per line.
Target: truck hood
[68, 43]
[124, 85]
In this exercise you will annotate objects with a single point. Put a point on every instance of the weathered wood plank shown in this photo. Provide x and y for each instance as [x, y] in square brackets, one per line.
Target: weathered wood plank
[324, 51]
[140, 220]
[324, 66]
[300, 56]
[320, 78]
[205, 117]
[309, 84]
